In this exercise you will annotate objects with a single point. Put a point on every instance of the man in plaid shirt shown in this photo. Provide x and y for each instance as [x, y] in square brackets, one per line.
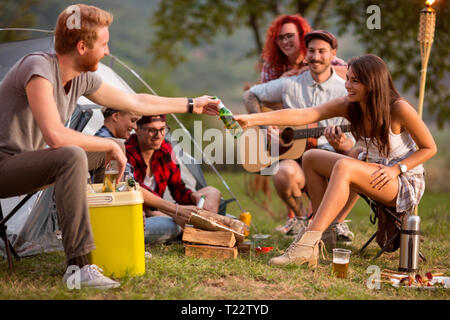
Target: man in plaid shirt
[155, 169]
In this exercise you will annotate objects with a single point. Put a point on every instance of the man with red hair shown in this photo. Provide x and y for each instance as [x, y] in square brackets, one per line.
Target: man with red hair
[38, 96]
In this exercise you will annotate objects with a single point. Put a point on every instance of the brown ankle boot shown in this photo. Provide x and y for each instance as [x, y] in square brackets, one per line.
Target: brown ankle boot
[305, 248]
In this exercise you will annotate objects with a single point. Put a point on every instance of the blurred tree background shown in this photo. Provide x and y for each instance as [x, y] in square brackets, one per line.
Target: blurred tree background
[198, 23]
[195, 47]
[191, 47]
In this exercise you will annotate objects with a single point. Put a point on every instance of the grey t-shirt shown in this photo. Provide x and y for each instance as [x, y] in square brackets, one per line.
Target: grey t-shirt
[19, 131]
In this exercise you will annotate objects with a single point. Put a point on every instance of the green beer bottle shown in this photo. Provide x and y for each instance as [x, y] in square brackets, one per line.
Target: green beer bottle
[227, 118]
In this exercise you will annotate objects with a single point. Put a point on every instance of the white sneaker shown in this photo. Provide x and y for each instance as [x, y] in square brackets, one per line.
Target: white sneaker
[287, 227]
[293, 226]
[343, 232]
[90, 276]
[148, 255]
[298, 227]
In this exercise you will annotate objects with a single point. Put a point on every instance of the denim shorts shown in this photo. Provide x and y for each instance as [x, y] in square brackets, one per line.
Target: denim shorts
[160, 229]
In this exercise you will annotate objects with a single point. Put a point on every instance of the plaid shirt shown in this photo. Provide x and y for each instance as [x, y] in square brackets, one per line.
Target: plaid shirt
[164, 169]
[269, 73]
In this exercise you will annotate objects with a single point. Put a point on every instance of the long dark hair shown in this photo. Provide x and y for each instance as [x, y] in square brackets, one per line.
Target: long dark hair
[372, 72]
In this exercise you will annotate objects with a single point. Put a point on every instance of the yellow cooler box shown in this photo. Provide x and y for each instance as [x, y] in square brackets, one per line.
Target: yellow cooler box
[117, 225]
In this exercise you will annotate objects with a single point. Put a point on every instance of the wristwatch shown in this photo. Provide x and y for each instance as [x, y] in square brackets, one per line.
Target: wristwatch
[190, 105]
[403, 168]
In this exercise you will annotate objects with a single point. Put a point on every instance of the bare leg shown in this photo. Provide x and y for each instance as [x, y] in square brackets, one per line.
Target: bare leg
[346, 175]
[289, 182]
[353, 196]
[348, 207]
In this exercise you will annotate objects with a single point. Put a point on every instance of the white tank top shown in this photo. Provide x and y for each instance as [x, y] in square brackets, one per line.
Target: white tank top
[401, 146]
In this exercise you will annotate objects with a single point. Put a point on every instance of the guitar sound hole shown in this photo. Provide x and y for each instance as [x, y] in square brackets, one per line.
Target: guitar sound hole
[287, 135]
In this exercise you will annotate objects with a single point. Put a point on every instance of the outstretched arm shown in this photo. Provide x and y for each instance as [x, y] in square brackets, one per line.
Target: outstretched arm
[147, 104]
[181, 214]
[296, 117]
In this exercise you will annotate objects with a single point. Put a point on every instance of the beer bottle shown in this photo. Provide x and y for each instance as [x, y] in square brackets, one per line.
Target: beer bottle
[227, 117]
[201, 202]
[131, 183]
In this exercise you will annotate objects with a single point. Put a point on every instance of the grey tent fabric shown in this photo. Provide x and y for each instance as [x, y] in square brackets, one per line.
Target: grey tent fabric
[188, 161]
[36, 224]
[11, 52]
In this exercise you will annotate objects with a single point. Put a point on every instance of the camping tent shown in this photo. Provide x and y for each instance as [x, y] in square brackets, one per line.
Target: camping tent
[34, 228]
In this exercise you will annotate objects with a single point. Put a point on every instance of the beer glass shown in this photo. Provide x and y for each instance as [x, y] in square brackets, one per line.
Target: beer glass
[111, 174]
[341, 259]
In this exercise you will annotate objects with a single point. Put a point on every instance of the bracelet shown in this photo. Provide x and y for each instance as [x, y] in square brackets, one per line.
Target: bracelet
[190, 105]
[176, 210]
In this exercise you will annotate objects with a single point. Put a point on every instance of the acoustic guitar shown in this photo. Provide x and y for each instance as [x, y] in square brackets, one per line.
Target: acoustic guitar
[255, 149]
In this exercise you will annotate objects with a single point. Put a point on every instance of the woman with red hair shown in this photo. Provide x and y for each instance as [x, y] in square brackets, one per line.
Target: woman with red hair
[285, 49]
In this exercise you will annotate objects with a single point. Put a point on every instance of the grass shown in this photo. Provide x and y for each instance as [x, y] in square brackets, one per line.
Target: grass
[170, 275]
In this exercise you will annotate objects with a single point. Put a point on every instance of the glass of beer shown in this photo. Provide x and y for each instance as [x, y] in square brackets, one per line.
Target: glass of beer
[341, 259]
[111, 174]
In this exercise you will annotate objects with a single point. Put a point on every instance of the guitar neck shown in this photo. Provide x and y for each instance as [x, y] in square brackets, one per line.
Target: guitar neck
[316, 132]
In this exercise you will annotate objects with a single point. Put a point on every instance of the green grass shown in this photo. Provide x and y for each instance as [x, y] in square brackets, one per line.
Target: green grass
[170, 275]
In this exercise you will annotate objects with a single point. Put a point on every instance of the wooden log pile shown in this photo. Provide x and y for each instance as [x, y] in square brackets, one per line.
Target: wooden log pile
[213, 236]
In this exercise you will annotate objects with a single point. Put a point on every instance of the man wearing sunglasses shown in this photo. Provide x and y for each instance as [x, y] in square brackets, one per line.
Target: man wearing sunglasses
[154, 167]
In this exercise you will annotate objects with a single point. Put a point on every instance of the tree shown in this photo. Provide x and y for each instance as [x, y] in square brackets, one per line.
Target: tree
[183, 23]
[196, 22]
[16, 14]
[396, 42]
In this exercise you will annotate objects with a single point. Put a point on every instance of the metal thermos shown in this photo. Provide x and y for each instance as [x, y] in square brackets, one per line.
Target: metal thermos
[409, 244]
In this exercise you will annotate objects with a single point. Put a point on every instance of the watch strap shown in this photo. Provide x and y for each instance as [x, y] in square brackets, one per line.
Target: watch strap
[190, 105]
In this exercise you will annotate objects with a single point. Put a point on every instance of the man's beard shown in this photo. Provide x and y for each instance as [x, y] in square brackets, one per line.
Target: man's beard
[88, 63]
[325, 66]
